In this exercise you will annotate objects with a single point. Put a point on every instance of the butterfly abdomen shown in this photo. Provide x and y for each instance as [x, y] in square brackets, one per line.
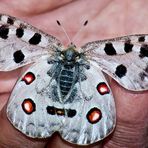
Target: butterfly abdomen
[66, 81]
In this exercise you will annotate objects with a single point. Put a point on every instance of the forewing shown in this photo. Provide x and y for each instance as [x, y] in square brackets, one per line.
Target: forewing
[125, 59]
[21, 43]
[91, 112]
[31, 105]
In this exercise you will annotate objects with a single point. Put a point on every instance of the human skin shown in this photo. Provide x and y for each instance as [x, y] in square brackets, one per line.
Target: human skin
[107, 19]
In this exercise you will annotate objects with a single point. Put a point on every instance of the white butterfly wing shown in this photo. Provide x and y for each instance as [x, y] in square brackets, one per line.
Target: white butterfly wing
[94, 107]
[31, 100]
[21, 43]
[87, 116]
[125, 59]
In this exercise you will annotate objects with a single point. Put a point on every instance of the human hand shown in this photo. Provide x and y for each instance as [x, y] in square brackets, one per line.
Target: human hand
[106, 19]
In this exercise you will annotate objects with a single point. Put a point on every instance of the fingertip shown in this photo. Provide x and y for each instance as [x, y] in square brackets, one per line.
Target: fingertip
[3, 100]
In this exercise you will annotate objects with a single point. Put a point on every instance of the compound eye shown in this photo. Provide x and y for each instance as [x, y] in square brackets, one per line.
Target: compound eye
[62, 55]
[77, 57]
[74, 46]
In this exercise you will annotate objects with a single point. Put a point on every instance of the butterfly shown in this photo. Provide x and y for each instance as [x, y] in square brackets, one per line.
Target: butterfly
[65, 90]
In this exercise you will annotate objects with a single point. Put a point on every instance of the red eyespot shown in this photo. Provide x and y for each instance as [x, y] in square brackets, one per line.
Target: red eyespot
[103, 88]
[28, 106]
[94, 115]
[28, 78]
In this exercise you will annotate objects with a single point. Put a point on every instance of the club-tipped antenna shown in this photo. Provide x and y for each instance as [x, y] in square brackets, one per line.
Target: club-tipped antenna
[85, 23]
[58, 22]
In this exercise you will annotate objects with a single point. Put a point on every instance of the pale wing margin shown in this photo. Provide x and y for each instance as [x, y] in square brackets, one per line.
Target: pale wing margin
[21, 43]
[125, 59]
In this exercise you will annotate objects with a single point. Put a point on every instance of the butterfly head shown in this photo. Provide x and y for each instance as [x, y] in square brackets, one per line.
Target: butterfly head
[70, 55]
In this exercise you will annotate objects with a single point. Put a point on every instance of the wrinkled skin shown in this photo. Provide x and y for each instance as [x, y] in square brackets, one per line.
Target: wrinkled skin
[107, 19]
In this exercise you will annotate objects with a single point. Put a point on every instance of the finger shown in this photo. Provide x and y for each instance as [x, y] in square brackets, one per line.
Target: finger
[3, 100]
[7, 80]
[131, 106]
[132, 117]
[57, 142]
[10, 137]
[27, 7]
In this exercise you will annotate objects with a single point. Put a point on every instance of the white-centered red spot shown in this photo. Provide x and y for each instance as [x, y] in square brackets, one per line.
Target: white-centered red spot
[28, 78]
[94, 115]
[102, 88]
[28, 106]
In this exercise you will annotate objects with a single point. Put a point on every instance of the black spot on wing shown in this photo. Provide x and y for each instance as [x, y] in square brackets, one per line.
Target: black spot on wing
[4, 30]
[128, 47]
[19, 32]
[143, 75]
[141, 39]
[51, 110]
[71, 113]
[18, 56]
[121, 71]
[146, 69]
[35, 39]
[109, 49]
[10, 20]
[143, 51]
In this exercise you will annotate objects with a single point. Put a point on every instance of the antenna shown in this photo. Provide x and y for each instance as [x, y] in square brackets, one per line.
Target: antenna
[58, 22]
[85, 23]
[71, 41]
